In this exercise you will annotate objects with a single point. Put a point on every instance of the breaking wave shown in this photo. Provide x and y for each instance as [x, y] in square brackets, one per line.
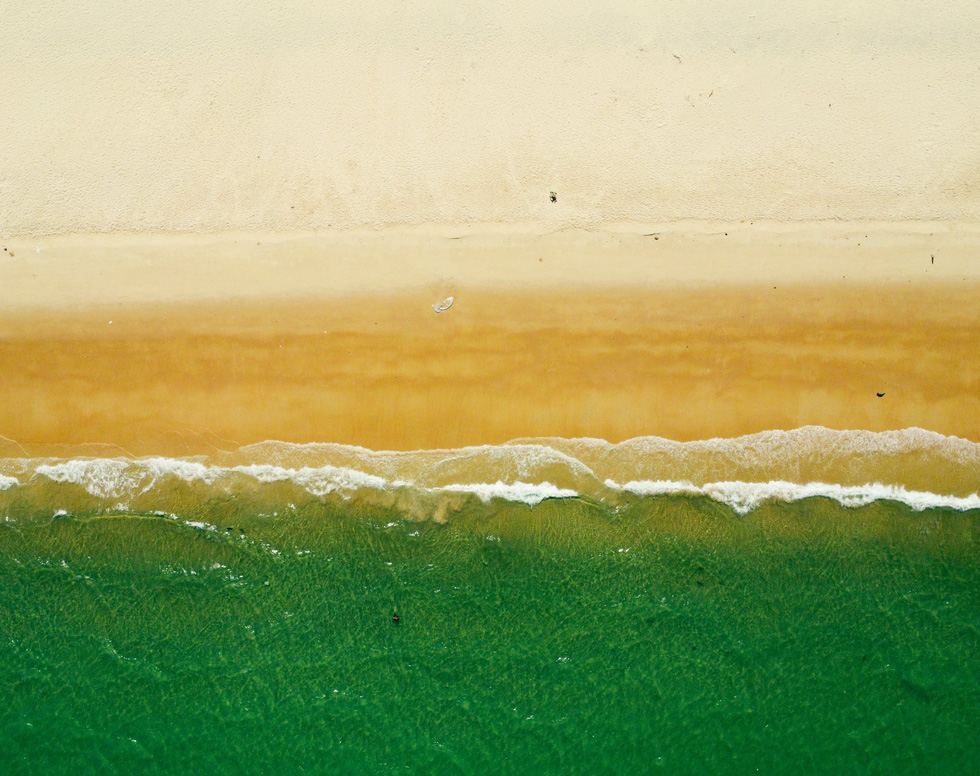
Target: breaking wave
[918, 468]
[743, 497]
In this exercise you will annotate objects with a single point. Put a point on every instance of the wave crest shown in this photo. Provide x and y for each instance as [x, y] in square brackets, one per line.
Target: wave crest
[915, 467]
[743, 497]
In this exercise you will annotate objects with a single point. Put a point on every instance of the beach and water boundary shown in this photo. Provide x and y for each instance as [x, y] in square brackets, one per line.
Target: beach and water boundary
[174, 615]
[684, 481]
[229, 465]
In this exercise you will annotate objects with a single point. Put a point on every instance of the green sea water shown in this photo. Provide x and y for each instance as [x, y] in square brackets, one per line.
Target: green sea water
[667, 634]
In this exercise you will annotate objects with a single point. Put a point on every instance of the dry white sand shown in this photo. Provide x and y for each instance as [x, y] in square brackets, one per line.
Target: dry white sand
[290, 115]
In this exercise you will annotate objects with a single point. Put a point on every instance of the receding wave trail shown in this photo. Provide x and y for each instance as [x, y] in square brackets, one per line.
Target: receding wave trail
[918, 468]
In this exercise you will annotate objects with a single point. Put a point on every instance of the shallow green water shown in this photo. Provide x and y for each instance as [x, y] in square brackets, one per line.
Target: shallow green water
[671, 635]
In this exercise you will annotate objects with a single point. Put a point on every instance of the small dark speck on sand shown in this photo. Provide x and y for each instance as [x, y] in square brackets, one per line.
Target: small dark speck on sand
[552, 196]
[879, 395]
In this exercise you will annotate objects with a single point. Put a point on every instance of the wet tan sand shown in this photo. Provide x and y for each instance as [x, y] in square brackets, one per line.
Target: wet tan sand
[384, 371]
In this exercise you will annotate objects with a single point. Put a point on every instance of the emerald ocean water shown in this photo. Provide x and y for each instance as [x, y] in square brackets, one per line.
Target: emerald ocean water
[563, 606]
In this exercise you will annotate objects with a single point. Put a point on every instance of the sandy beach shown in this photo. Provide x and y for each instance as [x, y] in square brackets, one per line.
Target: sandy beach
[180, 345]
[230, 224]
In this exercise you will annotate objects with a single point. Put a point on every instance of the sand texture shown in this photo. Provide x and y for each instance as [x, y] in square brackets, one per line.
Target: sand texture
[583, 339]
[280, 116]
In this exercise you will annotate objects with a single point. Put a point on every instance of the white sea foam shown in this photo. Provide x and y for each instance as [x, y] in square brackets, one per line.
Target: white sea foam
[917, 459]
[184, 469]
[918, 468]
[101, 477]
[743, 497]
[524, 492]
[112, 478]
[810, 453]
[318, 481]
[115, 478]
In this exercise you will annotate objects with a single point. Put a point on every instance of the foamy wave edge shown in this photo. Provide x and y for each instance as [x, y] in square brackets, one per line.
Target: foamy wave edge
[743, 497]
[915, 467]
[114, 479]
[111, 478]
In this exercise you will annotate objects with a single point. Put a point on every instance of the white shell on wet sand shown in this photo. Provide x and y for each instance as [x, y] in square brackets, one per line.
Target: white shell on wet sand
[444, 305]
